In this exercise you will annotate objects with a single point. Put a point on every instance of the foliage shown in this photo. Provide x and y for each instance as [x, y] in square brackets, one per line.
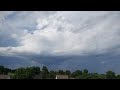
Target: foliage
[26, 73]
[44, 73]
[110, 75]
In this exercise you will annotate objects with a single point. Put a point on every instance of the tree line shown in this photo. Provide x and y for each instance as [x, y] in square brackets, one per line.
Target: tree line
[43, 73]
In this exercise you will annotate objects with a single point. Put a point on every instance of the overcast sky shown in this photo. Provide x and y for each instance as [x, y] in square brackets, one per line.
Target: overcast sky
[60, 32]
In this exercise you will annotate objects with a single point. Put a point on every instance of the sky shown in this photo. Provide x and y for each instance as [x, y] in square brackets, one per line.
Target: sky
[61, 39]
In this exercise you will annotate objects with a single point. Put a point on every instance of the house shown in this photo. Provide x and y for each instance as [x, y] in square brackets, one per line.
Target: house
[4, 76]
[62, 77]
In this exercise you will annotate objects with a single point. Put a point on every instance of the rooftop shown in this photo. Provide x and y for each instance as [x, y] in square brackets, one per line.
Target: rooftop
[4, 77]
[62, 77]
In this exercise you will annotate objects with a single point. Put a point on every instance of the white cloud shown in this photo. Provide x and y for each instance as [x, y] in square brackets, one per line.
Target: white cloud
[64, 33]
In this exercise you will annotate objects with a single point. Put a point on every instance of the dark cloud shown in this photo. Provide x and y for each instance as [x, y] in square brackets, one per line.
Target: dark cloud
[59, 35]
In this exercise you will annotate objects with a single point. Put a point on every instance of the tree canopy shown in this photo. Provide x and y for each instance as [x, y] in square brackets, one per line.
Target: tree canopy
[45, 73]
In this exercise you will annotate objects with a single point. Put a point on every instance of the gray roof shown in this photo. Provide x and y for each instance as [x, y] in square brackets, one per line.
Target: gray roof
[4, 76]
[62, 77]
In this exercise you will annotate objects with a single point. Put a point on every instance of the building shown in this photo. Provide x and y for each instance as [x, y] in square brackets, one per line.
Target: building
[62, 77]
[4, 76]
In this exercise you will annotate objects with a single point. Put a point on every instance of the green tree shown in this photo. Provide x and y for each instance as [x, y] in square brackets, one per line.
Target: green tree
[102, 76]
[1, 69]
[36, 70]
[67, 72]
[76, 73]
[61, 72]
[85, 71]
[52, 74]
[110, 75]
[94, 76]
[20, 73]
[29, 73]
[118, 77]
[45, 72]
[24, 73]
[4, 70]
[84, 75]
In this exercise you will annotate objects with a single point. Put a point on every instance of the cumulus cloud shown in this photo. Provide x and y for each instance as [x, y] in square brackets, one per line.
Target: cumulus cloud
[14, 24]
[60, 33]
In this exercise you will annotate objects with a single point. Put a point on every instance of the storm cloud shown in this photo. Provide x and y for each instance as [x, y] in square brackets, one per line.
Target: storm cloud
[59, 33]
